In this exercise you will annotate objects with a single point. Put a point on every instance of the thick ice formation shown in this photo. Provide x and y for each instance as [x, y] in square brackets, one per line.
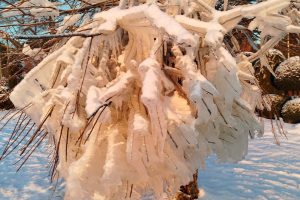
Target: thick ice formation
[135, 111]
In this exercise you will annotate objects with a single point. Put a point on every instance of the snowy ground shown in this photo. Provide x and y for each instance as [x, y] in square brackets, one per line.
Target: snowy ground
[268, 172]
[32, 181]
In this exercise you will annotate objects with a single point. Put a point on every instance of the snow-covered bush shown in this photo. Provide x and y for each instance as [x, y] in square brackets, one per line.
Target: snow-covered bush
[143, 92]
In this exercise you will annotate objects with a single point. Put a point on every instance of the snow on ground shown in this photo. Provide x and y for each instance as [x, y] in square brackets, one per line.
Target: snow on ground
[268, 172]
[32, 181]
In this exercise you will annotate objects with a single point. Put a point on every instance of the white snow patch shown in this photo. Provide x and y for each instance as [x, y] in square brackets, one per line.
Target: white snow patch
[35, 188]
[269, 171]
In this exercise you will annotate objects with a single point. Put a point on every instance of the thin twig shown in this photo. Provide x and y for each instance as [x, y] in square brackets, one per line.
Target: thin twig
[57, 35]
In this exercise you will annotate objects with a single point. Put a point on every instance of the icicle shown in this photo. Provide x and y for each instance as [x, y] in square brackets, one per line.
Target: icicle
[151, 97]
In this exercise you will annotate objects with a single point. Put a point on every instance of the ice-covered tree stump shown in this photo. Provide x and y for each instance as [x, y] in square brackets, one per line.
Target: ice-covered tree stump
[144, 93]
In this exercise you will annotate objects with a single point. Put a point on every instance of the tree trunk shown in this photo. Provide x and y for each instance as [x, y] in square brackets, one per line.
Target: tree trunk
[190, 191]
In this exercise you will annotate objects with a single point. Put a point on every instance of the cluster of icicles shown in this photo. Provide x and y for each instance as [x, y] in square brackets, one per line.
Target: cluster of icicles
[134, 111]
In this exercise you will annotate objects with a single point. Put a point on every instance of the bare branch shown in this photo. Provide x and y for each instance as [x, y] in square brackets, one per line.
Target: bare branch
[56, 36]
[13, 5]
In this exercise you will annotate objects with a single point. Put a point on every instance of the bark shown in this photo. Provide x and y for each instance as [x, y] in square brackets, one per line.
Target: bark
[189, 191]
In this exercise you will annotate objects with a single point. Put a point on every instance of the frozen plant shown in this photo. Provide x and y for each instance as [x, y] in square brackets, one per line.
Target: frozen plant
[135, 104]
